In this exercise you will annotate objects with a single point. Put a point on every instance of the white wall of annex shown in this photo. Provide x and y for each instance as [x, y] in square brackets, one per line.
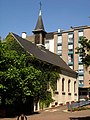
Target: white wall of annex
[51, 45]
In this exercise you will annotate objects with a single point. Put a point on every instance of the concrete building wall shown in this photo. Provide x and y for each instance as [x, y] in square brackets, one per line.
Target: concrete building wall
[86, 71]
[51, 45]
[55, 43]
[65, 47]
[75, 46]
[87, 33]
[87, 77]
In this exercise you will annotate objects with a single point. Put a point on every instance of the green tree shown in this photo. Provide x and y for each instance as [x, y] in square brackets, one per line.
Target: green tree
[84, 50]
[22, 75]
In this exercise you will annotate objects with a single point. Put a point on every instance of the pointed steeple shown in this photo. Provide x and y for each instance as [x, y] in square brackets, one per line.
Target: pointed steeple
[40, 12]
[39, 30]
[39, 25]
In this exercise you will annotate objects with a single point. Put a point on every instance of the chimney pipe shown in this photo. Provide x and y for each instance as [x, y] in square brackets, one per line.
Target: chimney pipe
[24, 34]
[59, 30]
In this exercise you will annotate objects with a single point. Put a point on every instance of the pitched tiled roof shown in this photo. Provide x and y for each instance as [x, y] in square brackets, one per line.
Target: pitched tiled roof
[43, 54]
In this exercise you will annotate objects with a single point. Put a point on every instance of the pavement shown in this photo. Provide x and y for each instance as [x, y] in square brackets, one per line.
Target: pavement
[57, 113]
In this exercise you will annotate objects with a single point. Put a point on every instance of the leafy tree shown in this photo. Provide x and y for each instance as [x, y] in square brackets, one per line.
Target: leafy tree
[84, 50]
[22, 75]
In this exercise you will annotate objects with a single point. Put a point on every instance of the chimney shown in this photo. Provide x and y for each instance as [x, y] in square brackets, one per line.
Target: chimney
[59, 30]
[24, 34]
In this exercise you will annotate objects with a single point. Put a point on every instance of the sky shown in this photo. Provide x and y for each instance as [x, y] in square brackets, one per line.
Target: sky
[21, 15]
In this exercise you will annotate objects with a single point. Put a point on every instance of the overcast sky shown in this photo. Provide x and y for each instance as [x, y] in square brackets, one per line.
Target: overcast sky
[21, 15]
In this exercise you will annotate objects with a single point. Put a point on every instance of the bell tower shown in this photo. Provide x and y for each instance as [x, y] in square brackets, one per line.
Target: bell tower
[39, 31]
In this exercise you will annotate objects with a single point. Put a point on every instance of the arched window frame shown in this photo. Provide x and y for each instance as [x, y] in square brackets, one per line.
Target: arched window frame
[74, 86]
[69, 85]
[63, 84]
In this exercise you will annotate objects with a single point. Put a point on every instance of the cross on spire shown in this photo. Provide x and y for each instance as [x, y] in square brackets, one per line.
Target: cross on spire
[40, 12]
[40, 5]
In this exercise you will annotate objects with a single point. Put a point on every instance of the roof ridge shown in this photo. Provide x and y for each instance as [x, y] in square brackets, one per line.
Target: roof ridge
[43, 54]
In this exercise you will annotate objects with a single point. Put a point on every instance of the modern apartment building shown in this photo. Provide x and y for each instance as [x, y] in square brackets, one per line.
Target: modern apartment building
[64, 43]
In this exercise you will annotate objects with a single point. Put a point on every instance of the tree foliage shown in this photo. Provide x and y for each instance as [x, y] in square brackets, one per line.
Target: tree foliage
[22, 75]
[84, 50]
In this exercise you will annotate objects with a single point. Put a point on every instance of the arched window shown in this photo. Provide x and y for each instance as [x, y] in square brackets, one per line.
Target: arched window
[69, 82]
[75, 86]
[63, 80]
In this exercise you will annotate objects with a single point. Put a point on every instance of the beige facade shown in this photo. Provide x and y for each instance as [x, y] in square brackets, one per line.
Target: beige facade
[55, 43]
[66, 50]
[86, 71]
[65, 47]
[75, 55]
[87, 77]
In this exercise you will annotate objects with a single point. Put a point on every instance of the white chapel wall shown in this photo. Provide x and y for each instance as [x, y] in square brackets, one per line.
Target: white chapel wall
[65, 96]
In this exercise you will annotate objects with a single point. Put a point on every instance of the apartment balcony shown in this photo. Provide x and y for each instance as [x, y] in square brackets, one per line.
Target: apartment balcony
[70, 52]
[81, 73]
[59, 53]
[71, 39]
[70, 42]
[70, 63]
[59, 43]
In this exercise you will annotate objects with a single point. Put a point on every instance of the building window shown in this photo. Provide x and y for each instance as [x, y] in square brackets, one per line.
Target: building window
[37, 39]
[81, 83]
[80, 77]
[69, 85]
[75, 86]
[80, 33]
[70, 47]
[70, 58]
[80, 68]
[59, 47]
[63, 81]
[59, 50]
[80, 59]
[59, 40]
[70, 38]
[79, 45]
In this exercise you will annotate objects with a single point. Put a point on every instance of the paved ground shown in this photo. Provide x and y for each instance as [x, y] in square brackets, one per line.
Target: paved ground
[54, 114]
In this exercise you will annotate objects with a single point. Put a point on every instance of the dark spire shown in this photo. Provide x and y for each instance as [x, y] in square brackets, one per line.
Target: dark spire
[39, 25]
[39, 31]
